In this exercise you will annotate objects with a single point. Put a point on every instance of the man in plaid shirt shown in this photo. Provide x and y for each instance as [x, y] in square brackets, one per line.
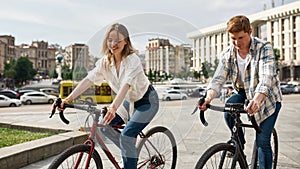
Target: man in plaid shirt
[249, 63]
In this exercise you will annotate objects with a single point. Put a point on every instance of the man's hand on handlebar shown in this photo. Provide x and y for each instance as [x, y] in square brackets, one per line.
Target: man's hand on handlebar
[202, 102]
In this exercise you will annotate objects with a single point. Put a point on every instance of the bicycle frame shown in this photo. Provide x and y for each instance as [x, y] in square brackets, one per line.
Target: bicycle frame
[93, 135]
[153, 160]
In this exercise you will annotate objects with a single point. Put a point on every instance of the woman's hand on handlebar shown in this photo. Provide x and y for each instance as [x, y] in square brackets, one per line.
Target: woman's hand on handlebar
[110, 114]
[61, 106]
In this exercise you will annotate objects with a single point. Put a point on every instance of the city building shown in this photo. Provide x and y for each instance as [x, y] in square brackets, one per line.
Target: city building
[7, 50]
[163, 57]
[40, 54]
[279, 25]
[77, 56]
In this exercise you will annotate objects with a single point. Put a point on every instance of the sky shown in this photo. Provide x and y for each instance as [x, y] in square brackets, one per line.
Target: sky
[66, 22]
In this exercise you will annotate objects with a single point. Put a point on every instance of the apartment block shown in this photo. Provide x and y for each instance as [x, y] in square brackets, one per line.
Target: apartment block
[279, 25]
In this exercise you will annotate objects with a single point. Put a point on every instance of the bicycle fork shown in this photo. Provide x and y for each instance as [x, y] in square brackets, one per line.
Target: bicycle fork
[92, 144]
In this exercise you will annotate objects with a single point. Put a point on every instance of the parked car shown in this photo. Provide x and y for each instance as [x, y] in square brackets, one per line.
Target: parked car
[174, 95]
[10, 93]
[6, 101]
[287, 89]
[196, 92]
[50, 91]
[37, 97]
[297, 89]
[21, 92]
[177, 88]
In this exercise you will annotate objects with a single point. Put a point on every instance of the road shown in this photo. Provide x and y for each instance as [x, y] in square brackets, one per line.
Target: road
[191, 136]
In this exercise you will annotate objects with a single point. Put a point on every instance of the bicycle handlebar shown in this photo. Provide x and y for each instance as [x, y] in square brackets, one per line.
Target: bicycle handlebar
[230, 108]
[89, 107]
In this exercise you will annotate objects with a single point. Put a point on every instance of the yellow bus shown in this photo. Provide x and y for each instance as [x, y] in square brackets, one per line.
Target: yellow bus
[96, 94]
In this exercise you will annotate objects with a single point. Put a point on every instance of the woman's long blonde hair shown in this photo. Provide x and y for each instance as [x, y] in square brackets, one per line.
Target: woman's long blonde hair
[128, 48]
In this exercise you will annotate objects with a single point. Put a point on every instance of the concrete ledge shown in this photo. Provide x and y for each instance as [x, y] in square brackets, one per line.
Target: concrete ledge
[21, 155]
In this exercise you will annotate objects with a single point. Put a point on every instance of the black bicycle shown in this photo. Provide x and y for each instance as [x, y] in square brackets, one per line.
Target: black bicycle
[231, 154]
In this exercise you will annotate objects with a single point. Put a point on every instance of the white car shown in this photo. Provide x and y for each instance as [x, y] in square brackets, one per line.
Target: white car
[50, 91]
[6, 101]
[37, 97]
[174, 95]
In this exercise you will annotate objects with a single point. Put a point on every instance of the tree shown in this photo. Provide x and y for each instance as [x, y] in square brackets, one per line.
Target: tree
[24, 70]
[67, 72]
[9, 69]
[79, 73]
[205, 67]
[277, 59]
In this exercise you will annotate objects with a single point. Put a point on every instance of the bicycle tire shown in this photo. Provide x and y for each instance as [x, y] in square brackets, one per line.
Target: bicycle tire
[274, 146]
[214, 157]
[68, 158]
[275, 150]
[164, 142]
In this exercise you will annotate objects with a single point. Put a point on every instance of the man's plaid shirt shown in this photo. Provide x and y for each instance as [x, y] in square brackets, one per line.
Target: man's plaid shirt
[260, 75]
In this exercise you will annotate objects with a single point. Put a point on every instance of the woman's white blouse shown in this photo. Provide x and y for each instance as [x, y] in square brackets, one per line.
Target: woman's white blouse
[131, 72]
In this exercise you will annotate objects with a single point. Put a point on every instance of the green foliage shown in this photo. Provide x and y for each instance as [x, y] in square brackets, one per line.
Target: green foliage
[24, 69]
[277, 59]
[53, 74]
[67, 73]
[19, 70]
[205, 66]
[79, 73]
[9, 69]
[184, 73]
[11, 136]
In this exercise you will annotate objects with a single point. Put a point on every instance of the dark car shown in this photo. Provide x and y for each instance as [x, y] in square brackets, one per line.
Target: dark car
[196, 92]
[287, 88]
[10, 93]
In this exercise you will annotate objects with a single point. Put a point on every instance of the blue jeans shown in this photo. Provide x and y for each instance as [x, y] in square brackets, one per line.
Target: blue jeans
[144, 111]
[263, 139]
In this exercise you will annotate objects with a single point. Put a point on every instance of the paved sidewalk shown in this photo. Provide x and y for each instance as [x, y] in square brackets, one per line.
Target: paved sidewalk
[193, 138]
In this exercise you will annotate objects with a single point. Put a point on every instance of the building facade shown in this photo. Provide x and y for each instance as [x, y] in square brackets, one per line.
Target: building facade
[7, 50]
[163, 57]
[40, 54]
[280, 26]
[77, 56]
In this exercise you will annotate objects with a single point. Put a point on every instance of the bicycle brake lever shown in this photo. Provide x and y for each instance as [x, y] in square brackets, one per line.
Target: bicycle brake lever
[57, 103]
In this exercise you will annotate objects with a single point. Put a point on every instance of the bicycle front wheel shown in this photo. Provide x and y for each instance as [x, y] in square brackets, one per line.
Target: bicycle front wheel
[77, 155]
[158, 149]
[220, 156]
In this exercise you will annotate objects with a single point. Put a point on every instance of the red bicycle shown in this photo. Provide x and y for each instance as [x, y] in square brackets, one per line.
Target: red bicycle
[156, 148]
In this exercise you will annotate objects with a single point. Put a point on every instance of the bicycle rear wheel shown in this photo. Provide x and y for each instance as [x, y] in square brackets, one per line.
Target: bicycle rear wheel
[158, 149]
[71, 156]
[220, 156]
[274, 145]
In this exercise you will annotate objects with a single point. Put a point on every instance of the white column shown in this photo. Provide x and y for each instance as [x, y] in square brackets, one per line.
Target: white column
[161, 54]
[276, 35]
[297, 30]
[167, 60]
[269, 31]
[197, 58]
[147, 60]
[286, 40]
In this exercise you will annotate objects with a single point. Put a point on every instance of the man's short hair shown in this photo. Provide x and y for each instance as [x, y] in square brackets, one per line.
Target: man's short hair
[238, 23]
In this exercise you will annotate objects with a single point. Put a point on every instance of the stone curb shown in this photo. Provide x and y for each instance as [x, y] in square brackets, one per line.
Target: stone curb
[20, 155]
